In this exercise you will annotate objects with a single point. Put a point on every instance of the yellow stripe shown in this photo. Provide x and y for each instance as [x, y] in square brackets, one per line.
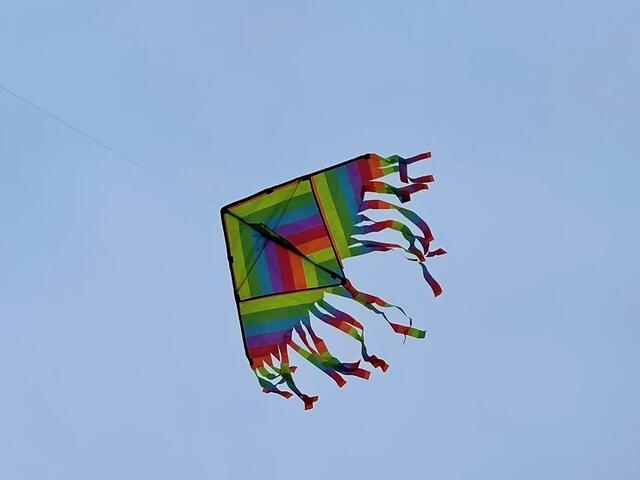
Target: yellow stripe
[323, 255]
[279, 301]
[310, 274]
[332, 220]
[239, 264]
[268, 200]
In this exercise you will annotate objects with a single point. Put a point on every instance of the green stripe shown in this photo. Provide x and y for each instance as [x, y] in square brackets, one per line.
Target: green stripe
[339, 180]
[267, 201]
[416, 333]
[272, 212]
[341, 221]
[310, 274]
[332, 219]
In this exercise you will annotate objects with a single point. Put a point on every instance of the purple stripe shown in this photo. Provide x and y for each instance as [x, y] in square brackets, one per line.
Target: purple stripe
[268, 338]
[355, 180]
[300, 226]
[274, 267]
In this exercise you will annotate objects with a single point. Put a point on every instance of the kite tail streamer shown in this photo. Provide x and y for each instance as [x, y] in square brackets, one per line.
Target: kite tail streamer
[349, 325]
[331, 365]
[406, 232]
[283, 373]
[372, 303]
[364, 225]
[403, 193]
[268, 387]
[435, 286]
[427, 236]
[367, 246]
[404, 162]
[272, 377]
[286, 372]
[321, 357]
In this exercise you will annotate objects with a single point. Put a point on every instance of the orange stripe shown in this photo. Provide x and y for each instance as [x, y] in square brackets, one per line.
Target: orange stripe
[345, 327]
[320, 346]
[297, 271]
[374, 166]
[314, 245]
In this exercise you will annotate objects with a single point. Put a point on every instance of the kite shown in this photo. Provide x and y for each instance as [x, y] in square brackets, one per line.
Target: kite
[286, 246]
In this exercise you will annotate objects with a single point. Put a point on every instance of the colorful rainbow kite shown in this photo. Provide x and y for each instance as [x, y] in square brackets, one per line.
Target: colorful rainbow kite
[285, 247]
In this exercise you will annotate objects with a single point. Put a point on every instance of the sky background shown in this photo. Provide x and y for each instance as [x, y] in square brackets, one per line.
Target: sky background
[120, 351]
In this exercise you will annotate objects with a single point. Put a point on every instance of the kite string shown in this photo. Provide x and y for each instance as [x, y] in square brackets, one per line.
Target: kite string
[100, 143]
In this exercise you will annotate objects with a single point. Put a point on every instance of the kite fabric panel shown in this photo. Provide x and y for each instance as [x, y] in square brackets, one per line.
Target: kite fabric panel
[286, 246]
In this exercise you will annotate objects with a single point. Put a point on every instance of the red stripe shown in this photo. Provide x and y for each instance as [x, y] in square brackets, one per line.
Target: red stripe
[421, 156]
[399, 328]
[349, 319]
[377, 362]
[424, 179]
[286, 274]
[364, 170]
[361, 372]
[262, 351]
[341, 382]
[308, 235]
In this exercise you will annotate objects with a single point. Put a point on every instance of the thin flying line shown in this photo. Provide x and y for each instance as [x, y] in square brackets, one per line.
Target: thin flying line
[124, 157]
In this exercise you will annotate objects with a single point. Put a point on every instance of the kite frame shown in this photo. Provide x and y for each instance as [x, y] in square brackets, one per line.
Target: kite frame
[225, 209]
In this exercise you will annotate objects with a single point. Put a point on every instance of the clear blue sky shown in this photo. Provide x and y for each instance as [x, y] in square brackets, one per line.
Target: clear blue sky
[120, 352]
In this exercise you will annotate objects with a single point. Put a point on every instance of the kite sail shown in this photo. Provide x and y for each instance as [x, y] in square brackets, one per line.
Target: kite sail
[286, 246]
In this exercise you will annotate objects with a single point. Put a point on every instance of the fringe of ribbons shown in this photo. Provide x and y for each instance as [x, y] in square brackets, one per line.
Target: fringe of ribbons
[274, 370]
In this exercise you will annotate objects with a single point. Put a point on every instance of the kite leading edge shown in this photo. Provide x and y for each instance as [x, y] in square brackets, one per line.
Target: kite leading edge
[285, 247]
